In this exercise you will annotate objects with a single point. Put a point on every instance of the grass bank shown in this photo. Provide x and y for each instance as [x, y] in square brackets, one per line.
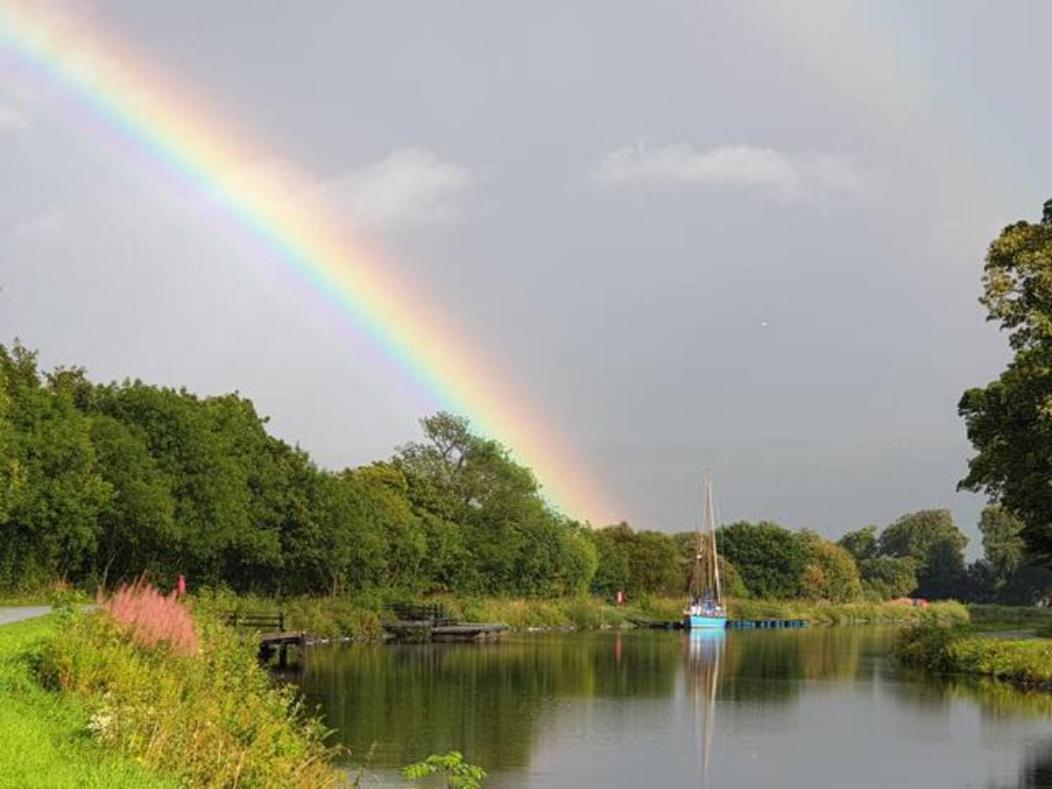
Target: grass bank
[137, 694]
[360, 617]
[183, 697]
[1010, 617]
[963, 650]
[44, 736]
[947, 612]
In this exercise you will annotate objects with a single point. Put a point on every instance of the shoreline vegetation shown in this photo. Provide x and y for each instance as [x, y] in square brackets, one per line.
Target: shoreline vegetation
[140, 693]
[1000, 643]
[361, 621]
[124, 695]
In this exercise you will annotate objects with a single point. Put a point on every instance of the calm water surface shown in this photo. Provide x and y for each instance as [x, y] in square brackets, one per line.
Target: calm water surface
[810, 708]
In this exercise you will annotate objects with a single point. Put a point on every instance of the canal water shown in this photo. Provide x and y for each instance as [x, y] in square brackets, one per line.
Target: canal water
[819, 707]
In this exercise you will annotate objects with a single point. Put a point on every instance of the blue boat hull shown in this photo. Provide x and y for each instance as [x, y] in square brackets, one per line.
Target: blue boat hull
[698, 622]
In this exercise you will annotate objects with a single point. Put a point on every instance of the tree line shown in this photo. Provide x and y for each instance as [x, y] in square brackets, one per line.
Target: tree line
[101, 483]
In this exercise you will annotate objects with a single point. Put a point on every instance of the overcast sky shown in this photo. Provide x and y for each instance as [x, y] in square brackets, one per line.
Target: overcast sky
[744, 237]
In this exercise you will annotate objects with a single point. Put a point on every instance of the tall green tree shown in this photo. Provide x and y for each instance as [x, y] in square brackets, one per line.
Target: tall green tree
[52, 528]
[137, 523]
[935, 544]
[1009, 421]
[12, 476]
[769, 558]
[516, 542]
[888, 577]
[830, 572]
[862, 544]
[1003, 545]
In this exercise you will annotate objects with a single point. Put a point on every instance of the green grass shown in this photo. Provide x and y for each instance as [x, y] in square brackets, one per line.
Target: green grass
[948, 612]
[44, 739]
[210, 716]
[962, 650]
[1010, 616]
[360, 617]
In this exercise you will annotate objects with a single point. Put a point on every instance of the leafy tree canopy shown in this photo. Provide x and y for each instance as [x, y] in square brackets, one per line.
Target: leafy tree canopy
[1009, 421]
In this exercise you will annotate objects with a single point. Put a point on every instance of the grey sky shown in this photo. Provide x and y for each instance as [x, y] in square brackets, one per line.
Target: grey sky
[737, 236]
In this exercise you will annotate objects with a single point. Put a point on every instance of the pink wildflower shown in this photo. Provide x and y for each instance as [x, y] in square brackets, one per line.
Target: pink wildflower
[151, 617]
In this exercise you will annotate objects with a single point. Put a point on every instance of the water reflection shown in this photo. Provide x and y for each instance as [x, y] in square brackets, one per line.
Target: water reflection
[626, 709]
[1036, 771]
[704, 651]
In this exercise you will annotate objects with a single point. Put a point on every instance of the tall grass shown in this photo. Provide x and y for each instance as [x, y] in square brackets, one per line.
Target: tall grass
[1010, 615]
[360, 617]
[949, 612]
[42, 742]
[959, 650]
[210, 717]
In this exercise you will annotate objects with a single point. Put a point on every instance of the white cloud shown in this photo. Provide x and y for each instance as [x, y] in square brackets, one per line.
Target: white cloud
[791, 174]
[408, 187]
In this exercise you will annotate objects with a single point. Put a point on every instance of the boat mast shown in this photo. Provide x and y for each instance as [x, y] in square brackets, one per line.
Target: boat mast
[710, 523]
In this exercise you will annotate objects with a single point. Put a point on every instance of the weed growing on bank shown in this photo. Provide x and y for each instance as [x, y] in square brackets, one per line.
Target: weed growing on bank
[960, 650]
[208, 717]
[42, 740]
[151, 618]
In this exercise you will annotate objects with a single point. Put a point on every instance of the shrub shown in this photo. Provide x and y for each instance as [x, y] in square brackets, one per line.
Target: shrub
[937, 648]
[458, 773]
[211, 718]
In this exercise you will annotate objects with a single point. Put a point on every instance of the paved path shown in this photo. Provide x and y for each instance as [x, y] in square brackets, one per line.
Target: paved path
[18, 613]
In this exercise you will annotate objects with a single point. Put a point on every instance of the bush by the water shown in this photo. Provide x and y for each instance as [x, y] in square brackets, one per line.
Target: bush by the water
[935, 647]
[210, 718]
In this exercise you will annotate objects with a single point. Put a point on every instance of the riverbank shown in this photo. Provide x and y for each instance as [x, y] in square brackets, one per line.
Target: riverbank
[139, 694]
[360, 618]
[43, 740]
[966, 650]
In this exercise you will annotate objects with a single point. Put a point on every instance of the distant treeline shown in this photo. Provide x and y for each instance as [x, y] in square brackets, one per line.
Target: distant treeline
[102, 483]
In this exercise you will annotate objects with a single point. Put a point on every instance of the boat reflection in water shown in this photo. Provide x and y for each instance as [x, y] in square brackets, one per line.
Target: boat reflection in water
[704, 655]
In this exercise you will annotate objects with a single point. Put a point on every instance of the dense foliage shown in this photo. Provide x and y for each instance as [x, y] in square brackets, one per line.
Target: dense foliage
[1009, 421]
[958, 650]
[100, 484]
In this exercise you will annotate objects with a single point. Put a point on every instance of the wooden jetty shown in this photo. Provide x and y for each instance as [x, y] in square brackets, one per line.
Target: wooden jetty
[732, 624]
[270, 630]
[421, 632]
[656, 624]
[750, 624]
[432, 622]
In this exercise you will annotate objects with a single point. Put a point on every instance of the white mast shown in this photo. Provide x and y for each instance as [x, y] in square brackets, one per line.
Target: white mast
[710, 521]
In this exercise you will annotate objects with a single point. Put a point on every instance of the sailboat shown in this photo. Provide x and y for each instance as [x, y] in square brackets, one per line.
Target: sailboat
[705, 608]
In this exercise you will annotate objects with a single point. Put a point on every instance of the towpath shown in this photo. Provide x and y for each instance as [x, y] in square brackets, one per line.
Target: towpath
[18, 613]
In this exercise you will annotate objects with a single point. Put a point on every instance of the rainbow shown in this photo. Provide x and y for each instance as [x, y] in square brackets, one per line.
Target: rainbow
[158, 122]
